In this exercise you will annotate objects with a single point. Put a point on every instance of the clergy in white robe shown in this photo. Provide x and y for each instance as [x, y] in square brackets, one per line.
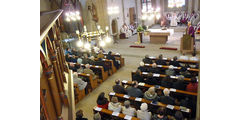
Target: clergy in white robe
[173, 20]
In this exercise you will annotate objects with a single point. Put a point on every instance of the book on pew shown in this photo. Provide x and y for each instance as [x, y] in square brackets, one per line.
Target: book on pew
[127, 117]
[124, 81]
[115, 113]
[157, 86]
[97, 108]
[138, 99]
[126, 96]
[112, 93]
[170, 107]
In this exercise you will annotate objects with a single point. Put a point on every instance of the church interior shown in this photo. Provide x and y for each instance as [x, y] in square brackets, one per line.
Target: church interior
[119, 59]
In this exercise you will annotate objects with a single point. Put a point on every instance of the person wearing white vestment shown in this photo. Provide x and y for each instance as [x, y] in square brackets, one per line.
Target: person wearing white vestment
[173, 20]
[124, 29]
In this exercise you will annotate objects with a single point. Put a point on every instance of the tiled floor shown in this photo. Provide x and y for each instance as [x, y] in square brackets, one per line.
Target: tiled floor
[132, 58]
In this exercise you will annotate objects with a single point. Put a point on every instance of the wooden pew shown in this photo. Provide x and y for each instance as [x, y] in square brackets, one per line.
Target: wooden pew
[142, 100]
[93, 83]
[160, 88]
[179, 60]
[176, 68]
[118, 57]
[100, 68]
[114, 69]
[109, 113]
[79, 94]
[161, 76]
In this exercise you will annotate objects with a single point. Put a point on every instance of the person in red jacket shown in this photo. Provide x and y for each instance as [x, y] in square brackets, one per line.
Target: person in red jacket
[193, 85]
[102, 102]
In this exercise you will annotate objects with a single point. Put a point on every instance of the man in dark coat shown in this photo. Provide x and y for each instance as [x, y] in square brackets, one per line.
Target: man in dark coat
[147, 60]
[175, 63]
[179, 84]
[160, 60]
[137, 77]
[118, 88]
[166, 99]
[133, 91]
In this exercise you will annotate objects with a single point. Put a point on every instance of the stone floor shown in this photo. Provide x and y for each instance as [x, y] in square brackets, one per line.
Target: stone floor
[132, 58]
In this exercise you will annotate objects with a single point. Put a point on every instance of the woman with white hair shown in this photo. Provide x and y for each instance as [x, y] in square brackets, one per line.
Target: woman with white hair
[143, 113]
[81, 84]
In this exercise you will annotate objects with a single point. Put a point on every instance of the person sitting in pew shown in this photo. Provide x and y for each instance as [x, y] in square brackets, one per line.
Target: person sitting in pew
[81, 84]
[118, 88]
[79, 60]
[80, 69]
[147, 60]
[151, 80]
[170, 71]
[193, 85]
[154, 69]
[128, 110]
[166, 99]
[91, 60]
[167, 82]
[133, 91]
[74, 52]
[143, 113]
[141, 67]
[185, 72]
[68, 51]
[72, 67]
[97, 116]
[178, 115]
[179, 84]
[174, 62]
[85, 59]
[102, 101]
[161, 114]
[74, 59]
[93, 53]
[114, 105]
[100, 54]
[99, 62]
[137, 77]
[194, 58]
[111, 57]
[151, 95]
[87, 70]
[160, 60]
[68, 58]
[79, 115]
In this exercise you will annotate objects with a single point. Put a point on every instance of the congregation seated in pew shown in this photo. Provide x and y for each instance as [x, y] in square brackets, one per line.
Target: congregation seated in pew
[87, 70]
[134, 91]
[119, 88]
[114, 105]
[102, 101]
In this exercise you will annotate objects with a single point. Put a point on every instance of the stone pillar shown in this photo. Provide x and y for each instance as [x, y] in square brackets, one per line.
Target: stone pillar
[189, 6]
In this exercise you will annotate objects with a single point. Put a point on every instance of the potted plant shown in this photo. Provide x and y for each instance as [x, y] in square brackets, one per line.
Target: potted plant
[140, 32]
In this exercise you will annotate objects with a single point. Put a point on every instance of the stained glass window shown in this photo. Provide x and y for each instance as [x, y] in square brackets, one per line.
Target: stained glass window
[176, 3]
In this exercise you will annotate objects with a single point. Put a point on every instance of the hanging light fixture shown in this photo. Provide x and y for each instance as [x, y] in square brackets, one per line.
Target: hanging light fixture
[72, 15]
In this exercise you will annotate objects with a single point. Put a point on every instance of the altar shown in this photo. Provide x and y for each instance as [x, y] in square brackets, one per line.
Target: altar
[159, 35]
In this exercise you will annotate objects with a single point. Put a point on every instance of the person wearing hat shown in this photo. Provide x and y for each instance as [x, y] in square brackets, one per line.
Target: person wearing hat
[97, 116]
[143, 113]
[118, 88]
[127, 109]
[174, 62]
[179, 84]
[147, 60]
[160, 60]
[151, 95]
[133, 91]
[114, 105]
[170, 71]
[166, 99]
[141, 67]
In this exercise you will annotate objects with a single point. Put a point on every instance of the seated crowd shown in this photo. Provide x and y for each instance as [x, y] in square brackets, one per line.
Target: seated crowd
[144, 113]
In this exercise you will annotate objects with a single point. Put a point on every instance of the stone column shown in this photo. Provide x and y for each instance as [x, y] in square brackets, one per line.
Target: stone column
[189, 6]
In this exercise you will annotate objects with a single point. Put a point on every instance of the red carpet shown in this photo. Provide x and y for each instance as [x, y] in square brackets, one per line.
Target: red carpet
[168, 48]
[137, 46]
